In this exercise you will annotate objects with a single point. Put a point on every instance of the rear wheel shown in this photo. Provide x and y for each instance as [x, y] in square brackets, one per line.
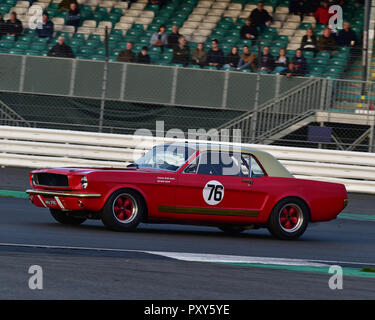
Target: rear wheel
[124, 210]
[66, 217]
[289, 219]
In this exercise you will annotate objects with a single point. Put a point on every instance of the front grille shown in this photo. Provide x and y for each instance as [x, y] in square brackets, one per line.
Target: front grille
[51, 180]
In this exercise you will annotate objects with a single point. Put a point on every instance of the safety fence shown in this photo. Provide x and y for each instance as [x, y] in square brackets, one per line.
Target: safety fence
[39, 148]
[137, 83]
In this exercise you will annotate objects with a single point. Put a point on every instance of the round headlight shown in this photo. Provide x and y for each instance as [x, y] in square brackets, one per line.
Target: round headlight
[84, 182]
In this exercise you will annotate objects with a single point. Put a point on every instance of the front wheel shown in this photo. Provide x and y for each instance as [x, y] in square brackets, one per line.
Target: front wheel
[66, 218]
[289, 219]
[123, 210]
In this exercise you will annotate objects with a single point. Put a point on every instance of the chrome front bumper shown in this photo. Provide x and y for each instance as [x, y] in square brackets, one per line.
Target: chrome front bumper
[63, 194]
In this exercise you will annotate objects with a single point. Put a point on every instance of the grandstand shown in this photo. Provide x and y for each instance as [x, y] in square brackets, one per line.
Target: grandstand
[199, 21]
[331, 93]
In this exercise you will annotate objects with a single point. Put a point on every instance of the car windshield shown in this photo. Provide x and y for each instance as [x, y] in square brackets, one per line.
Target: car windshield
[166, 157]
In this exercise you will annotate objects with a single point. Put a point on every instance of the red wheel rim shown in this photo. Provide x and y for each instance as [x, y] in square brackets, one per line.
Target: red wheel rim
[290, 218]
[124, 208]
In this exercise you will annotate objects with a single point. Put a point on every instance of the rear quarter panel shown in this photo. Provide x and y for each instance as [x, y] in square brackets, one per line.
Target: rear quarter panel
[325, 200]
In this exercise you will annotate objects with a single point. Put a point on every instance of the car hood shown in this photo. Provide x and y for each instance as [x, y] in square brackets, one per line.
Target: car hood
[85, 171]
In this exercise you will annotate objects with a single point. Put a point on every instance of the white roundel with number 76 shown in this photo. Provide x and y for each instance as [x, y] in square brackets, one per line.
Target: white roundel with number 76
[213, 192]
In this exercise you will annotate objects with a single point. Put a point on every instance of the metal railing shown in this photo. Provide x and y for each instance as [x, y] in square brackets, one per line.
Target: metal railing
[40, 148]
[10, 118]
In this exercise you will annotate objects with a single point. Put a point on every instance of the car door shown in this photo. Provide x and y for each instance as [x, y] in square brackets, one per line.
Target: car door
[215, 186]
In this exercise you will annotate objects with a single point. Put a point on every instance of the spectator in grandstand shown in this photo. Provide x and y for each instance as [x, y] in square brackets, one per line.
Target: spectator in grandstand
[173, 37]
[291, 70]
[300, 63]
[296, 7]
[281, 62]
[326, 42]
[199, 55]
[232, 59]
[249, 30]
[346, 37]
[322, 14]
[73, 16]
[215, 56]
[46, 29]
[266, 60]
[159, 38]
[127, 55]
[260, 17]
[309, 41]
[61, 49]
[247, 60]
[64, 5]
[14, 26]
[181, 52]
[310, 7]
[3, 26]
[143, 56]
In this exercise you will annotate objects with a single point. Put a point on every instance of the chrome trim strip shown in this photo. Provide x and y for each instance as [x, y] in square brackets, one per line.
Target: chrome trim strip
[63, 194]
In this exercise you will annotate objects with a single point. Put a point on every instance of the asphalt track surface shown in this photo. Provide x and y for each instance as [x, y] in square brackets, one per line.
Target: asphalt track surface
[74, 267]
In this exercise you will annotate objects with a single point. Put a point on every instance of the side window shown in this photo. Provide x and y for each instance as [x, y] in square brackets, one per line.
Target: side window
[256, 170]
[220, 163]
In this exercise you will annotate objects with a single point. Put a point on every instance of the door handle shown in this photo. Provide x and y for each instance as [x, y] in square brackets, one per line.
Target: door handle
[248, 181]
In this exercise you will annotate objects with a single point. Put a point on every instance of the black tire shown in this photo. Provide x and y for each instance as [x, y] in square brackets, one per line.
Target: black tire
[112, 217]
[232, 229]
[286, 223]
[66, 218]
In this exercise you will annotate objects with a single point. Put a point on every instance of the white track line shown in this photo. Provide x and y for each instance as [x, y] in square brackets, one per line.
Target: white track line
[204, 257]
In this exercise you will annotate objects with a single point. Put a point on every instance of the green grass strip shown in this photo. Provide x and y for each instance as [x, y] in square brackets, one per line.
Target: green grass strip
[357, 216]
[13, 194]
[352, 272]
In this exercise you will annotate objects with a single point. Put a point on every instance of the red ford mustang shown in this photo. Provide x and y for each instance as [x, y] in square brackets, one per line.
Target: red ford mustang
[228, 187]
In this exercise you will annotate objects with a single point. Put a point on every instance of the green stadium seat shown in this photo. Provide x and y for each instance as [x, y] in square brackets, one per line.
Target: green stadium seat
[155, 50]
[86, 51]
[76, 42]
[321, 62]
[21, 45]
[97, 58]
[308, 54]
[152, 7]
[4, 8]
[323, 55]
[37, 47]
[223, 26]
[16, 51]
[194, 66]
[165, 14]
[154, 57]
[33, 53]
[210, 68]
[24, 39]
[166, 57]
[80, 36]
